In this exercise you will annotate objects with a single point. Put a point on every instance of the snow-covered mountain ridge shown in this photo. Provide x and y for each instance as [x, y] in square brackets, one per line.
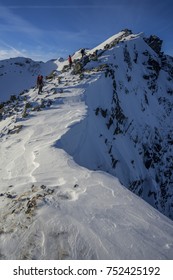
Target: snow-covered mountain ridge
[133, 110]
[108, 115]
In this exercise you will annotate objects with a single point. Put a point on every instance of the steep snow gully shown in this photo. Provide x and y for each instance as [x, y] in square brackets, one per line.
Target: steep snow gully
[64, 153]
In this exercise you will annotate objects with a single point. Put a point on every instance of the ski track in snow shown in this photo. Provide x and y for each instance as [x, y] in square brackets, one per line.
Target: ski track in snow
[52, 208]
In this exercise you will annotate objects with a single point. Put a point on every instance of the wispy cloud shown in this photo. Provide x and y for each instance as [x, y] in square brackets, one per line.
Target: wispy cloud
[7, 51]
[81, 6]
[14, 29]
[38, 53]
[12, 22]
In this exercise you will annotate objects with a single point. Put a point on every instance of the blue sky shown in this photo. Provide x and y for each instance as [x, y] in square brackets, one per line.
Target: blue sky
[46, 29]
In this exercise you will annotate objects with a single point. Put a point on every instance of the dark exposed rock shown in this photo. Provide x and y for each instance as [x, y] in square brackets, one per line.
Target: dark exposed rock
[155, 43]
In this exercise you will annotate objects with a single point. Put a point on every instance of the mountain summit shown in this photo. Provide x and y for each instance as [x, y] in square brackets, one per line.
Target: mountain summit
[74, 158]
[131, 105]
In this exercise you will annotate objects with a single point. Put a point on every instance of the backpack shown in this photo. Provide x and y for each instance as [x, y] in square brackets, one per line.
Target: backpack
[40, 79]
[70, 59]
[82, 52]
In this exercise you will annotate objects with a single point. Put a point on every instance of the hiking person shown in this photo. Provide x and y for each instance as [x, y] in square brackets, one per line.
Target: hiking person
[70, 61]
[40, 83]
[82, 52]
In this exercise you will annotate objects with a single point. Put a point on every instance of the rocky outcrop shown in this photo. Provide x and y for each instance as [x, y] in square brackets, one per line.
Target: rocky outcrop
[152, 144]
[155, 43]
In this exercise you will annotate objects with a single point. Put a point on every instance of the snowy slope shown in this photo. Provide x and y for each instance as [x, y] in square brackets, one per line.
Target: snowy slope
[131, 113]
[55, 203]
[19, 74]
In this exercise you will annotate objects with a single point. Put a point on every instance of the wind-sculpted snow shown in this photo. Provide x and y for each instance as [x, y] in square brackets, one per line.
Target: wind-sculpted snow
[57, 199]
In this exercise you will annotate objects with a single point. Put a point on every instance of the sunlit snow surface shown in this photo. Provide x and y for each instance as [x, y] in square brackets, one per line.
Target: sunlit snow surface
[53, 208]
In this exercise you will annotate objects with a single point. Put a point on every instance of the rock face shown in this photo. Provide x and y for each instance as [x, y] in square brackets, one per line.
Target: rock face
[155, 43]
[134, 115]
[139, 120]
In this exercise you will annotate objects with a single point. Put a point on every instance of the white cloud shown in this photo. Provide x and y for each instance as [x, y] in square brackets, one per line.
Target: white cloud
[7, 51]
[5, 54]
[38, 54]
